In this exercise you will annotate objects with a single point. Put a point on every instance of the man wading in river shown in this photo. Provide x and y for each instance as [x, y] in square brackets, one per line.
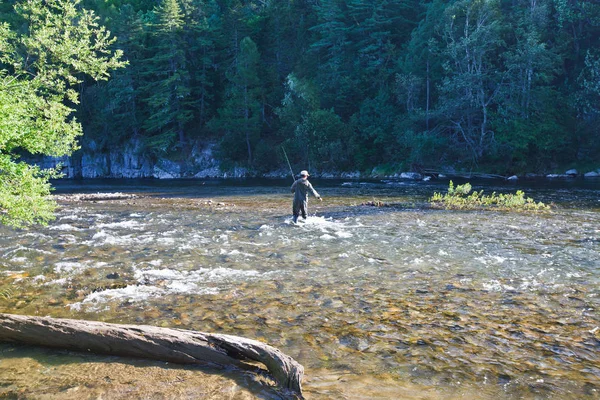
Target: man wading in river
[300, 189]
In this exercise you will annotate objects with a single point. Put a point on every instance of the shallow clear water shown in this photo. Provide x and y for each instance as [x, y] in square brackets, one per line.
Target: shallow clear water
[392, 302]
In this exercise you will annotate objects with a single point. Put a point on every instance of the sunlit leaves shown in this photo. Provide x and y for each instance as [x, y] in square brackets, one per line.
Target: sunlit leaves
[40, 69]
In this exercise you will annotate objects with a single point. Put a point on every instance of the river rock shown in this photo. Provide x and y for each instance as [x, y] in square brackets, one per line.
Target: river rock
[592, 174]
[213, 172]
[571, 172]
[554, 176]
[512, 178]
[411, 175]
[350, 175]
[278, 174]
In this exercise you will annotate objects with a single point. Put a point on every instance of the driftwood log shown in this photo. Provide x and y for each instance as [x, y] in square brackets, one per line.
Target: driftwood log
[164, 344]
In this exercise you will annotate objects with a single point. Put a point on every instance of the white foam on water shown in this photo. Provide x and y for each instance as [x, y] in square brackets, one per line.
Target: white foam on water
[73, 266]
[38, 278]
[236, 253]
[327, 237]
[38, 235]
[155, 283]
[20, 260]
[131, 293]
[343, 234]
[253, 243]
[70, 217]
[189, 281]
[221, 237]
[61, 281]
[184, 287]
[12, 272]
[67, 266]
[102, 238]
[128, 224]
[64, 227]
[157, 274]
[487, 260]
[496, 286]
[136, 215]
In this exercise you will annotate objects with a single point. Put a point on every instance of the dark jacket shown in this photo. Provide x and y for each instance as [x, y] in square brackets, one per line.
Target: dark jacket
[300, 188]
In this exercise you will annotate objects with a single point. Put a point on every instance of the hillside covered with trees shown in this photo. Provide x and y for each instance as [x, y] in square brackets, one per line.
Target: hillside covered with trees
[505, 86]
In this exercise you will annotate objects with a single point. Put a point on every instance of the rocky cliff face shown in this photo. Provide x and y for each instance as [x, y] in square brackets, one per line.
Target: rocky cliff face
[130, 161]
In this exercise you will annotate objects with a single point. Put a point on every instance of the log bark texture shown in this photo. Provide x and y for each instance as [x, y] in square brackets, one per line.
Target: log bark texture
[164, 344]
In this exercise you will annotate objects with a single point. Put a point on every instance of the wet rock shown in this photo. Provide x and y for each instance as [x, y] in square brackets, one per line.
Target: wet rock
[113, 275]
[572, 172]
[512, 178]
[53, 302]
[411, 175]
[504, 379]
[351, 175]
[592, 174]
[94, 197]
[166, 169]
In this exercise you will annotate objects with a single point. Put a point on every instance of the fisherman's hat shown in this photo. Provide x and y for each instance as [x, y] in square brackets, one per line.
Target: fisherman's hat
[304, 173]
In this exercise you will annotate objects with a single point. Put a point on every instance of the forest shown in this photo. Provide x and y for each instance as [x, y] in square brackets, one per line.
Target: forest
[502, 86]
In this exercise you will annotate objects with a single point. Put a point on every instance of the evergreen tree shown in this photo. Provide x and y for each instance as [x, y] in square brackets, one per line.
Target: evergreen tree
[167, 93]
[239, 118]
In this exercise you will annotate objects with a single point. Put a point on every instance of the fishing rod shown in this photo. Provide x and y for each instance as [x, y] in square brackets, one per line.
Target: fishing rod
[288, 161]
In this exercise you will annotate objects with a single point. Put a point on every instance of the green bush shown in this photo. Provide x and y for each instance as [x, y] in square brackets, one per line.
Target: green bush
[461, 198]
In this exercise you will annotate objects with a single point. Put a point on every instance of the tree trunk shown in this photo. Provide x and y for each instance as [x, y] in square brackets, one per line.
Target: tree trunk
[164, 344]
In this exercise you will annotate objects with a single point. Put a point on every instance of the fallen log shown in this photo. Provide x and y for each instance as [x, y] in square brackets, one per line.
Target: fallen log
[143, 341]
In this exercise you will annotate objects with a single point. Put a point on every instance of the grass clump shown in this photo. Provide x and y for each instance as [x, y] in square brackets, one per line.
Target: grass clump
[462, 197]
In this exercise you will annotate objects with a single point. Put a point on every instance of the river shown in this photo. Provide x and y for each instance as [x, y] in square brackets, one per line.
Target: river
[375, 302]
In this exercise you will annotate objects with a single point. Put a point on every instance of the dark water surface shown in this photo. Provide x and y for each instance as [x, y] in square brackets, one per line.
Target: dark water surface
[392, 302]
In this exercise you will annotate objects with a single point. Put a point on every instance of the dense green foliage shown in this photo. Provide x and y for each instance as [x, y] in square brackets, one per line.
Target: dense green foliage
[503, 86]
[43, 49]
[462, 198]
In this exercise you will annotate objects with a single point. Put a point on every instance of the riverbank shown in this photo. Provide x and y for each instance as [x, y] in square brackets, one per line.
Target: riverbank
[131, 162]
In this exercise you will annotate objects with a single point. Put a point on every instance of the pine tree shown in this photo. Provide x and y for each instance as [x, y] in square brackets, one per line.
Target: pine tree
[239, 119]
[167, 94]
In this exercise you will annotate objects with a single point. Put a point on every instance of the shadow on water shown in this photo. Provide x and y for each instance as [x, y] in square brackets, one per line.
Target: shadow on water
[68, 374]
